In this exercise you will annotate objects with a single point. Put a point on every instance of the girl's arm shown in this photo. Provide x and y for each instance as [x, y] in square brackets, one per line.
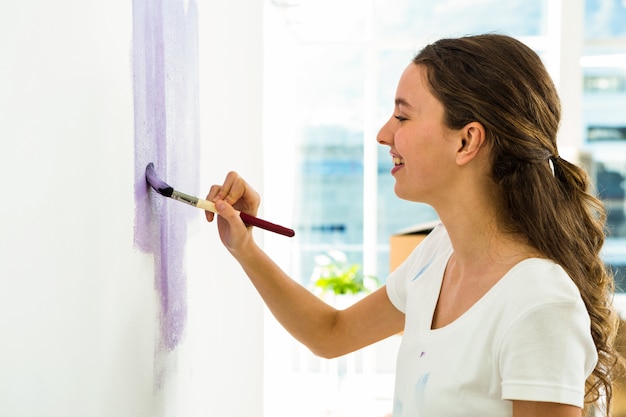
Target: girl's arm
[328, 332]
[544, 409]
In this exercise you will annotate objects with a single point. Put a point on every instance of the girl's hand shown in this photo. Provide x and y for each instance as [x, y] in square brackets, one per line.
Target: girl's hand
[234, 194]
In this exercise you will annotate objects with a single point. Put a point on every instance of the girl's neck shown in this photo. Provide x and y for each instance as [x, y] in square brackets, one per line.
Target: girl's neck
[480, 242]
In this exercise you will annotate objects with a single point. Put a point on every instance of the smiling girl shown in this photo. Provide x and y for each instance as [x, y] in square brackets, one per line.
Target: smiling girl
[505, 307]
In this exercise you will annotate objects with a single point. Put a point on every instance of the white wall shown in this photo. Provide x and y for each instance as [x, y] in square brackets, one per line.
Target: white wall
[226, 314]
[78, 308]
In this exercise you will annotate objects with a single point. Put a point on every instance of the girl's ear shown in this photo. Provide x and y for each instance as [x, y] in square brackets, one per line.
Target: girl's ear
[471, 140]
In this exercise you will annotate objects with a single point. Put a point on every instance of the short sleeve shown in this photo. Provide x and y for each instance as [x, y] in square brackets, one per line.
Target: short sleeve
[396, 287]
[396, 284]
[547, 354]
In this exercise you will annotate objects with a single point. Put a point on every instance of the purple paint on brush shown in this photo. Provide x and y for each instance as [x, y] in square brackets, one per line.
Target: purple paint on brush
[165, 71]
[156, 182]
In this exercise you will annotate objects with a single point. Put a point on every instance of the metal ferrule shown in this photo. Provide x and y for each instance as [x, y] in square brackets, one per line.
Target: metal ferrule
[185, 198]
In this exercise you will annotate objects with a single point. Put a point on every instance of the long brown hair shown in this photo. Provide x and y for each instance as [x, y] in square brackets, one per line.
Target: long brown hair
[501, 83]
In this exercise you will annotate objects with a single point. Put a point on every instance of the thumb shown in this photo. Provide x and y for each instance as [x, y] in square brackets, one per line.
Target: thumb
[233, 231]
[225, 210]
[228, 213]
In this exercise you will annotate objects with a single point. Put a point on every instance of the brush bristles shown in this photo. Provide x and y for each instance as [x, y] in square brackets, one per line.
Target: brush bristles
[156, 183]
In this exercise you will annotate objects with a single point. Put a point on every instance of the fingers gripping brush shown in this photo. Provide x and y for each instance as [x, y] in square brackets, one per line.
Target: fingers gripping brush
[165, 190]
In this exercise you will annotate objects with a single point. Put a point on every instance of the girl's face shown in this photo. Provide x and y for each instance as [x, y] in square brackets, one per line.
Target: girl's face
[421, 146]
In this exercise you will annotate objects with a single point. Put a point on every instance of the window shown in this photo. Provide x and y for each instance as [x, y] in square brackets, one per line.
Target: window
[604, 113]
[333, 68]
[346, 58]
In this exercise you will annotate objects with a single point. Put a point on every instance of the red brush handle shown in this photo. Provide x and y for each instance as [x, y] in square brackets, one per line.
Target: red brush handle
[246, 218]
[264, 224]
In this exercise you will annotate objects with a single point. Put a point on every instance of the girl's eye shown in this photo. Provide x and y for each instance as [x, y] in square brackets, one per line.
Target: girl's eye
[400, 118]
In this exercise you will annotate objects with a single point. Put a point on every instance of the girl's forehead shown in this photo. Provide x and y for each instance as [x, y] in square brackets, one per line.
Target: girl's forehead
[412, 86]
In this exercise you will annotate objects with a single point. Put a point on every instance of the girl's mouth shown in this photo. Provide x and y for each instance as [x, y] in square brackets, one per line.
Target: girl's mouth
[398, 163]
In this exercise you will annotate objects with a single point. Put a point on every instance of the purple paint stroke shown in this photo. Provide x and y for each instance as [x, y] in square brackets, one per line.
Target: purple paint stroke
[165, 71]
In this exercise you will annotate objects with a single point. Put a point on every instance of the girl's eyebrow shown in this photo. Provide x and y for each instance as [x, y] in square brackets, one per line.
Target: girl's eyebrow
[402, 102]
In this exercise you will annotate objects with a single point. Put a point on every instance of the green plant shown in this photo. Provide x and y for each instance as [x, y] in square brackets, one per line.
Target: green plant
[333, 273]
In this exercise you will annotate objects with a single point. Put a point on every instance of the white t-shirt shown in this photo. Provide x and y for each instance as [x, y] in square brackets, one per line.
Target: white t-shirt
[527, 338]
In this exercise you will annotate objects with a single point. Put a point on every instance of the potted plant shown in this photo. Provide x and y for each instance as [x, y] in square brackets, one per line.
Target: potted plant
[338, 281]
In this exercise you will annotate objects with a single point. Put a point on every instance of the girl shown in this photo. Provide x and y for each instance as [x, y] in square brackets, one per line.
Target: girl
[506, 306]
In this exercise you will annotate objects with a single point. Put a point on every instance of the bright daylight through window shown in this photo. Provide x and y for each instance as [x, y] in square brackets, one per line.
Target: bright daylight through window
[339, 61]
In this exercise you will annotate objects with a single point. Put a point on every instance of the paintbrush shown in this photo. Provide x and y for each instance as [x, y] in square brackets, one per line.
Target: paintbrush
[165, 190]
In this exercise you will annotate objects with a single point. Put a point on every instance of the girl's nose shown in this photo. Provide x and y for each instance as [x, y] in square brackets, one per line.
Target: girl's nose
[384, 136]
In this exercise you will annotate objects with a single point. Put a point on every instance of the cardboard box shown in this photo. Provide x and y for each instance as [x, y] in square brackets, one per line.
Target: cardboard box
[403, 242]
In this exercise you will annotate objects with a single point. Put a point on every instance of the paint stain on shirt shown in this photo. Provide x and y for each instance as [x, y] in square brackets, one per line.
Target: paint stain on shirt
[420, 388]
[422, 269]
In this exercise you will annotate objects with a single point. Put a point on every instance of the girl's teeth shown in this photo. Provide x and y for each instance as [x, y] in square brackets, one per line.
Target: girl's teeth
[398, 161]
